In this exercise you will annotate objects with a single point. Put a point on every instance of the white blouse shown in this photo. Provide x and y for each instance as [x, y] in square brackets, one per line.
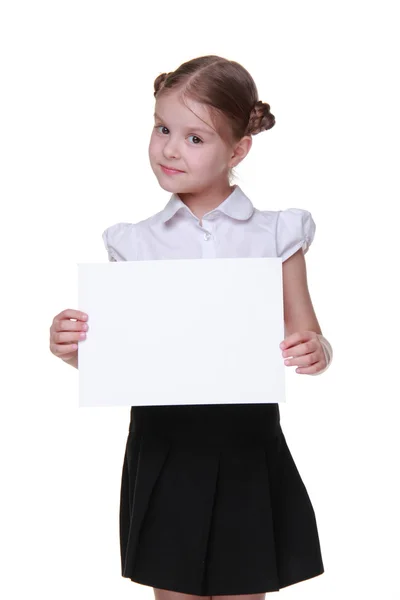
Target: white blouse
[235, 229]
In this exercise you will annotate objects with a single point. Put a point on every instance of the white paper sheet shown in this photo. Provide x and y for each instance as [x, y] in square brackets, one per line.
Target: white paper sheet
[181, 331]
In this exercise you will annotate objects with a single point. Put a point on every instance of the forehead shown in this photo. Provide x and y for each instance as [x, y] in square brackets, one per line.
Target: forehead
[173, 109]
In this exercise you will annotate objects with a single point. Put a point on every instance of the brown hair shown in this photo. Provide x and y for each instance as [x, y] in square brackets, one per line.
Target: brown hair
[227, 88]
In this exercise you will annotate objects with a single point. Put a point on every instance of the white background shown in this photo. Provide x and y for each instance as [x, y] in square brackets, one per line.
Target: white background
[76, 117]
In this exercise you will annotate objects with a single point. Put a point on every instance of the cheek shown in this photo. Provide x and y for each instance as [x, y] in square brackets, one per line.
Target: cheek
[212, 161]
[154, 149]
[205, 156]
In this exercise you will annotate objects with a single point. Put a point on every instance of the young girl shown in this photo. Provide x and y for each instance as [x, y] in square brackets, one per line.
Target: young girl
[212, 503]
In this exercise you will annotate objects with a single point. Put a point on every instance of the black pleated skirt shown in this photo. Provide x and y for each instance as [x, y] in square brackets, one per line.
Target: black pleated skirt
[212, 502]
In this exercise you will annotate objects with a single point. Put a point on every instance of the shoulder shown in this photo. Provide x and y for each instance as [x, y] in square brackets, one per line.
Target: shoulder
[290, 229]
[120, 239]
[295, 229]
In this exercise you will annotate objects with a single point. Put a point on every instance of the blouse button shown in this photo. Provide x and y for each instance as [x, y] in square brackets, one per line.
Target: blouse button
[207, 236]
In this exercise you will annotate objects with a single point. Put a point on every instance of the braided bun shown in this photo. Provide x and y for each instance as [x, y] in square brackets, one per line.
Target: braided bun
[159, 82]
[260, 118]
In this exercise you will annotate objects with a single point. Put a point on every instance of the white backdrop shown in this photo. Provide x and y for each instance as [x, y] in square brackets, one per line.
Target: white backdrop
[76, 117]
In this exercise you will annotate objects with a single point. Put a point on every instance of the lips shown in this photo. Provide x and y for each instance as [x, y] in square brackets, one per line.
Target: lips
[170, 169]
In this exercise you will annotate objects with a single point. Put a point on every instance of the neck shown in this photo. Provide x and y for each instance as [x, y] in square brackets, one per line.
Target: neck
[204, 201]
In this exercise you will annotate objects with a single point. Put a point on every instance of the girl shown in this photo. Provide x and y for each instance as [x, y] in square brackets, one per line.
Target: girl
[212, 503]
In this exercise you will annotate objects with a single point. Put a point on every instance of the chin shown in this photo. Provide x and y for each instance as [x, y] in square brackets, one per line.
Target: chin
[169, 185]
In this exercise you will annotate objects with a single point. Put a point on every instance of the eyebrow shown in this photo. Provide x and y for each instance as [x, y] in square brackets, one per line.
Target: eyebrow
[194, 128]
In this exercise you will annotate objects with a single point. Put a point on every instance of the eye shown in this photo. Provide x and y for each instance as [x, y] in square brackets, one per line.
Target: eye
[196, 138]
[161, 126]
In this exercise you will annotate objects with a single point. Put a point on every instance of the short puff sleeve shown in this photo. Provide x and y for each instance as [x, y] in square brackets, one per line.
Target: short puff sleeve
[295, 229]
[119, 242]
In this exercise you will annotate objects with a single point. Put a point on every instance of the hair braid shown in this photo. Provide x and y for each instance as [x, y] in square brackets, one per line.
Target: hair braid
[159, 82]
[260, 118]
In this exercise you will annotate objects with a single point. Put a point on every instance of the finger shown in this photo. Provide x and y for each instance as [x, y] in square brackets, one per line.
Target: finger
[298, 337]
[67, 325]
[293, 340]
[61, 349]
[67, 337]
[71, 313]
[305, 360]
[311, 369]
[302, 349]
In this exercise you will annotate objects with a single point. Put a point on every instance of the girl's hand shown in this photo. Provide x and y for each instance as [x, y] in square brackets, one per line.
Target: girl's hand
[306, 350]
[65, 334]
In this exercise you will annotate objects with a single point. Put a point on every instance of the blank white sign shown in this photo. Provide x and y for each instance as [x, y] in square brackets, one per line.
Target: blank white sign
[181, 331]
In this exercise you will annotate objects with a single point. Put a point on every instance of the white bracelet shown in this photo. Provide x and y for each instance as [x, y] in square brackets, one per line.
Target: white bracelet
[327, 348]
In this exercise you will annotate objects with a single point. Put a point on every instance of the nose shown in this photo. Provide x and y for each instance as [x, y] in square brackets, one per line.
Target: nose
[171, 149]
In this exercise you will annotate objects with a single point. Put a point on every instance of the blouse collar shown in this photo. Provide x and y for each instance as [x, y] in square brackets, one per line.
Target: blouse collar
[237, 205]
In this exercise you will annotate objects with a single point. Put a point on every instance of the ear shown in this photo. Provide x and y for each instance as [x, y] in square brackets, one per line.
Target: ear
[240, 150]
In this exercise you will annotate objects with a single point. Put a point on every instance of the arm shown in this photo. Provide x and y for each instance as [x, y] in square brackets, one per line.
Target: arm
[299, 314]
[298, 309]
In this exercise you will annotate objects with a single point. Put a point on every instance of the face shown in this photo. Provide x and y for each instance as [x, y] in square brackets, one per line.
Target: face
[184, 138]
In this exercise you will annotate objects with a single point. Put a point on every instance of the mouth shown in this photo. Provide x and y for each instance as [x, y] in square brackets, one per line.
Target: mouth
[170, 171]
